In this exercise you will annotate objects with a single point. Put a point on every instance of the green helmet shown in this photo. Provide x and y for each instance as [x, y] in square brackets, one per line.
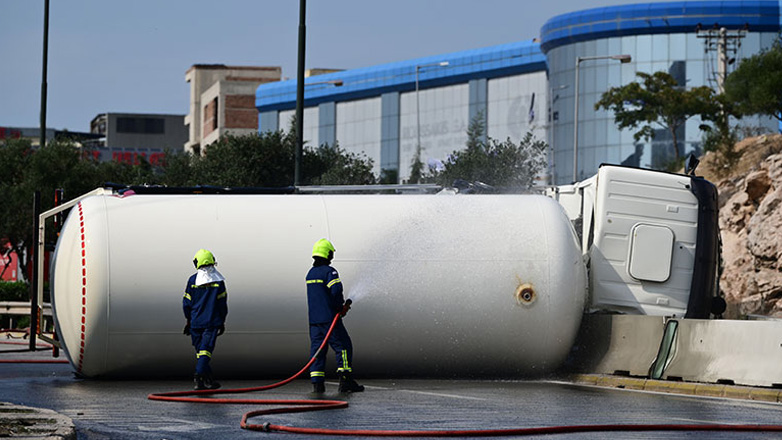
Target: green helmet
[203, 258]
[322, 248]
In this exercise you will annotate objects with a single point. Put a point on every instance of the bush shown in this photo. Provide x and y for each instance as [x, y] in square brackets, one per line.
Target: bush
[14, 291]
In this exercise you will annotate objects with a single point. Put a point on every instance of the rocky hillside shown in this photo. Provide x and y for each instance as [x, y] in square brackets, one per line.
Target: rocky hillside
[750, 198]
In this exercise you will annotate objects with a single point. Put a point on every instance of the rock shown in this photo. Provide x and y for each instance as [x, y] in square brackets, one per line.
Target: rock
[764, 240]
[756, 185]
[750, 221]
[774, 166]
[736, 213]
[750, 305]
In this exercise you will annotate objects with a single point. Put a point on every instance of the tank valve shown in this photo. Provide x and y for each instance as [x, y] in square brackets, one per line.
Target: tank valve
[525, 294]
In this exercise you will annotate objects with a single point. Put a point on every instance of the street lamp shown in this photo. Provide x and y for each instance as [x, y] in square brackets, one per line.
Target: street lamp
[417, 101]
[300, 92]
[622, 59]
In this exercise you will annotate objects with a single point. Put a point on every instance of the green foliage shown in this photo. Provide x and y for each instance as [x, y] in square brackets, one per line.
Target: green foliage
[334, 166]
[658, 100]
[722, 141]
[265, 160]
[389, 176]
[416, 167]
[501, 164]
[756, 84]
[178, 167]
[61, 164]
[14, 291]
[476, 131]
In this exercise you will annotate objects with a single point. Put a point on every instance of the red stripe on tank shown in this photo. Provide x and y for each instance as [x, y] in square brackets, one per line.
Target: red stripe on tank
[83, 290]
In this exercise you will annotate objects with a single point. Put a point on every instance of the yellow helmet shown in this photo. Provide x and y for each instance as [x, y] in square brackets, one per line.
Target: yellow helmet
[203, 258]
[322, 248]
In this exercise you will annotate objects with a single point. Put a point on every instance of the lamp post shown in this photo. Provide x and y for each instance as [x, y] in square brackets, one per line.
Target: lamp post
[417, 101]
[622, 59]
[300, 92]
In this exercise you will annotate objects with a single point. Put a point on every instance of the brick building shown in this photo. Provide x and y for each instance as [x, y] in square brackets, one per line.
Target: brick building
[222, 100]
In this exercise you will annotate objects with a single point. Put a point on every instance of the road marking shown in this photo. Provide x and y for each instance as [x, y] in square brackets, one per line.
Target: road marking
[455, 396]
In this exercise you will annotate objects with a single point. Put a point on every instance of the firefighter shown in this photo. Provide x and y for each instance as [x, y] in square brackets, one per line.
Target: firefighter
[324, 298]
[205, 305]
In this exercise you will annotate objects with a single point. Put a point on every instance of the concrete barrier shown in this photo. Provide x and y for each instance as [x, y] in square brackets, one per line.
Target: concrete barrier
[727, 351]
[617, 344]
[706, 351]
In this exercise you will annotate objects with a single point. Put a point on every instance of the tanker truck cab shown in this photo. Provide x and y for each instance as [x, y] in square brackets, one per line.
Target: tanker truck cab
[650, 240]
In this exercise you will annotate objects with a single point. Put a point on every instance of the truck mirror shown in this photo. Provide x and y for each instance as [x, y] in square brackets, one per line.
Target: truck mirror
[690, 164]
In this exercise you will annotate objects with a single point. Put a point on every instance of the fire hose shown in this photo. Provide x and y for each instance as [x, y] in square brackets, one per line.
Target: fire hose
[306, 405]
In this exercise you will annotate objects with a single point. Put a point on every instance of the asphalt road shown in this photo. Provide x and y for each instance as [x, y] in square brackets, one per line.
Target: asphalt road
[104, 409]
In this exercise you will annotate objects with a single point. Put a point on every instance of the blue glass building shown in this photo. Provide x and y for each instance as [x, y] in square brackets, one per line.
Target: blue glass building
[386, 111]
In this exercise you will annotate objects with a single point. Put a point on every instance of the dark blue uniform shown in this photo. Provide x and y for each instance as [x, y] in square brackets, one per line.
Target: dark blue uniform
[205, 307]
[324, 298]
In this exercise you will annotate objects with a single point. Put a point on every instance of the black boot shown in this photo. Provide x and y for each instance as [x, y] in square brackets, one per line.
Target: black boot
[318, 387]
[210, 383]
[348, 385]
[199, 382]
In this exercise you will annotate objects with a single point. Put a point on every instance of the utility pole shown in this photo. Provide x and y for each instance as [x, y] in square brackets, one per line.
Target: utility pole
[726, 44]
[43, 72]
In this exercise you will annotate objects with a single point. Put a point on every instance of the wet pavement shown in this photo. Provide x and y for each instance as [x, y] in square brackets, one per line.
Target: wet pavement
[103, 409]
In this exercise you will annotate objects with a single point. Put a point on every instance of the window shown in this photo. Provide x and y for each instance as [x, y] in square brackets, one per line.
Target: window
[140, 125]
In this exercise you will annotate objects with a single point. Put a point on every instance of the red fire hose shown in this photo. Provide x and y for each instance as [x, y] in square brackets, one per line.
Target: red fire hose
[306, 405]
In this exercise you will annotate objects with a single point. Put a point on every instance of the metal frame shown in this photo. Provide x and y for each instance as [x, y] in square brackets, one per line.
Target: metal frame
[39, 257]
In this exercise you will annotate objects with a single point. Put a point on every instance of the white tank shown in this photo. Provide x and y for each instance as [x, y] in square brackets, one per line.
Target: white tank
[442, 285]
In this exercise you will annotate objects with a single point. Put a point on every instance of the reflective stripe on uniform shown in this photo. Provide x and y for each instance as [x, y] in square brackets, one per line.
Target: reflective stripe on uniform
[222, 295]
[317, 374]
[345, 365]
[203, 353]
[333, 282]
[187, 295]
[314, 281]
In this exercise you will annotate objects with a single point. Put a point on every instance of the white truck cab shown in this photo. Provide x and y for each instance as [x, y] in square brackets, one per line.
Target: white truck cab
[650, 241]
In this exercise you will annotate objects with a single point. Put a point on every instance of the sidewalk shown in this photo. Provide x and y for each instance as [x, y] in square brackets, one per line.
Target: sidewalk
[24, 422]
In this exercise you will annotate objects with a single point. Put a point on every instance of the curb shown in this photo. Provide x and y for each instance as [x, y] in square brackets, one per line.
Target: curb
[24, 422]
[687, 388]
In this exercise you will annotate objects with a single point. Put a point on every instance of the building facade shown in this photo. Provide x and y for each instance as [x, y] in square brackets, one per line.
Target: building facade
[222, 101]
[670, 37]
[139, 131]
[393, 111]
[385, 112]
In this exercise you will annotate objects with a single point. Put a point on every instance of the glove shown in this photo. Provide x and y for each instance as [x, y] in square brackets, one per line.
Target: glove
[186, 330]
[220, 330]
[345, 308]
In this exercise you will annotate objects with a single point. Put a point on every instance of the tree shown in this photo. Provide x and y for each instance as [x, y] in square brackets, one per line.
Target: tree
[659, 100]
[502, 164]
[267, 160]
[263, 160]
[329, 165]
[756, 85]
[61, 164]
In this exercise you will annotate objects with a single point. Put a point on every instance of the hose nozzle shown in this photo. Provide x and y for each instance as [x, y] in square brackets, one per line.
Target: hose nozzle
[346, 307]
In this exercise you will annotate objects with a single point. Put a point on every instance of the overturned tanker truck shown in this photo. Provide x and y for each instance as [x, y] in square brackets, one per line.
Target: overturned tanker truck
[443, 284]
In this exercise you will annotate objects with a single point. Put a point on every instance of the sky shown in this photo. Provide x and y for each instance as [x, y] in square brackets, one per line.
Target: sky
[131, 56]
